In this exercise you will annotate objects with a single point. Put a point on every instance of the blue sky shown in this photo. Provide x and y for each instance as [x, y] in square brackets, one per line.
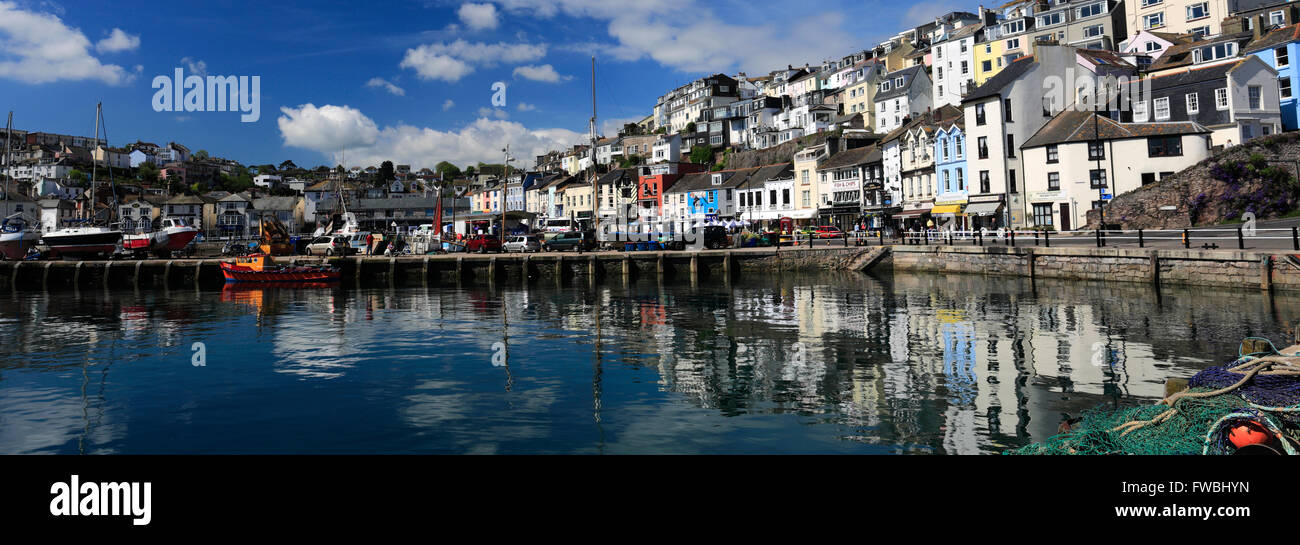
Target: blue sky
[406, 81]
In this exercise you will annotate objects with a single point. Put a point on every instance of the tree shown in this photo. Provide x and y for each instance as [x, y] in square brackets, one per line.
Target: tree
[201, 155]
[76, 177]
[702, 155]
[147, 173]
[385, 173]
[469, 171]
[447, 170]
[288, 165]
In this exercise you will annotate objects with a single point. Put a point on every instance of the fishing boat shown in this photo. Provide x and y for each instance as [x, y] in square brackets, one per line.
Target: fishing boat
[84, 239]
[262, 268]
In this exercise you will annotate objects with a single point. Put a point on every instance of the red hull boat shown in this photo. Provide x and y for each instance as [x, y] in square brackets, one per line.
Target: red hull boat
[262, 269]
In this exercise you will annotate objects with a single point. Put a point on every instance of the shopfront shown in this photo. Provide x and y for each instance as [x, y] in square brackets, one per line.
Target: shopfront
[985, 212]
[950, 215]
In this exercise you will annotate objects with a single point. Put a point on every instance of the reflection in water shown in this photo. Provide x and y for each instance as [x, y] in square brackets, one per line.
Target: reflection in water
[837, 363]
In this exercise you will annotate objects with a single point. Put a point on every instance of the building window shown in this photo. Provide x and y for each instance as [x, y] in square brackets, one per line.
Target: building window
[1162, 108]
[1011, 146]
[1088, 10]
[1043, 215]
[1093, 31]
[1284, 87]
[982, 143]
[1013, 43]
[807, 198]
[1146, 3]
[1053, 156]
[1096, 151]
[1165, 146]
[1255, 96]
[986, 66]
[984, 181]
[1193, 103]
[1214, 52]
[1006, 110]
[1140, 111]
[1221, 98]
[979, 113]
[1053, 181]
[1198, 11]
[1097, 179]
[1051, 19]
[1200, 31]
[1155, 20]
[1282, 57]
[1276, 17]
[1011, 181]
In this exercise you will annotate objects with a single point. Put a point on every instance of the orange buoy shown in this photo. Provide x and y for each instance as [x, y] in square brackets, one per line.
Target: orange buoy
[1249, 433]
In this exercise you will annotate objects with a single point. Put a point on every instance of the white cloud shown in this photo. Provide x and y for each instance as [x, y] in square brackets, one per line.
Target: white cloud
[702, 42]
[39, 48]
[479, 16]
[452, 61]
[449, 104]
[490, 112]
[526, 107]
[544, 73]
[196, 67]
[329, 128]
[118, 40]
[387, 86]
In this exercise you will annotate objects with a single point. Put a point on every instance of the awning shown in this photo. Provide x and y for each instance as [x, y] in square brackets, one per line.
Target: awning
[911, 213]
[983, 208]
[947, 209]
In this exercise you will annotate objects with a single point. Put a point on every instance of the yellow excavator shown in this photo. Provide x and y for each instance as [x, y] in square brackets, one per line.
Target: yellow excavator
[275, 238]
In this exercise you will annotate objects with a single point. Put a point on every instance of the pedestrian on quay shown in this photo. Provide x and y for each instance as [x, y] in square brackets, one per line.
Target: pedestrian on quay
[370, 242]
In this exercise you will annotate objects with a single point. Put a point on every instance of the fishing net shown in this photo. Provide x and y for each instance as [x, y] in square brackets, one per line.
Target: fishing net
[1265, 390]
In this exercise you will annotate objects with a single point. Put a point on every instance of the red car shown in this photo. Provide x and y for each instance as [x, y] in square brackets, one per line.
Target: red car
[828, 231]
[483, 244]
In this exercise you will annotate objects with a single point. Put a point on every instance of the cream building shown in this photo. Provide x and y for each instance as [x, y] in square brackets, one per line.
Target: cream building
[1204, 17]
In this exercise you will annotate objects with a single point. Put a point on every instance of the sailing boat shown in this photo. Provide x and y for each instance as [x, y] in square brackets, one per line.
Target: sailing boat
[89, 240]
[16, 234]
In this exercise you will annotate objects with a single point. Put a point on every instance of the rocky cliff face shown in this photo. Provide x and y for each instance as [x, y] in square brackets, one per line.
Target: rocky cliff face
[1258, 177]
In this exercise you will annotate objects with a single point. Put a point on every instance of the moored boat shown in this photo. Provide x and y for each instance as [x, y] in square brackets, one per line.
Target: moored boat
[83, 242]
[262, 268]
[17, 237]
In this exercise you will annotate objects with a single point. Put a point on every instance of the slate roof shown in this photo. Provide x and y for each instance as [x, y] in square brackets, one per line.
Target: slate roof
[765, 173]
[1181, 54]
[910, 73]
[1277, 38]
[855, 156]
[1194, 75]
[995, 84]
[1078, 126]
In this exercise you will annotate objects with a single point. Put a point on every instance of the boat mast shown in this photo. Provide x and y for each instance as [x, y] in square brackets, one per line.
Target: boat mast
[94, 166]
[595, 186]
[112, 186]
[9, 134]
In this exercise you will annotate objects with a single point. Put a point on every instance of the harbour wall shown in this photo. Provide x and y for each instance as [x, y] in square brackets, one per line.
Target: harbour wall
[1211, 268]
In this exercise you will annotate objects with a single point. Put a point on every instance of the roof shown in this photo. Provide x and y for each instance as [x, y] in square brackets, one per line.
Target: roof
[701, 181]
[275, 203]
[236, 197]
[853, 157]
[910, 73]
[189, 199]
[1102, 57]
[1084, 126]
[768, 172]
[1273, 39]
[615, 175]
[995, 84]
[964, 32]
[1193, 75]
[1181, 54]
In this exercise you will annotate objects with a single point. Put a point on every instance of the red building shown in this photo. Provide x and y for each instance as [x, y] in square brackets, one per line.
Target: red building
[654, 180]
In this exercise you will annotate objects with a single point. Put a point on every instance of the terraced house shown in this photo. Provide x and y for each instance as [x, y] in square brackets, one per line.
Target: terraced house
[1198, 17]
[902, 95]
[1086, 24]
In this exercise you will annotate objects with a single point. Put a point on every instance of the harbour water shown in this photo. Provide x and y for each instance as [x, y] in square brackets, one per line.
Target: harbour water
[787, 364]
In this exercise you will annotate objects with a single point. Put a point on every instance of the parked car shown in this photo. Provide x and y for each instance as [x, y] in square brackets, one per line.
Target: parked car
[329, 246]
[523, 243]
[483, 244]
[572, 240]
[828, 231]
[716, 237]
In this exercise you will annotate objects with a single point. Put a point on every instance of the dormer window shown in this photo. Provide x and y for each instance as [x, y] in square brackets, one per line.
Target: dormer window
[717, 179]
[1215, 52]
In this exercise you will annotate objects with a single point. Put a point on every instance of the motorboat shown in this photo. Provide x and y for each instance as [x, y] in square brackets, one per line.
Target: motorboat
[17, 236]
[262, 268]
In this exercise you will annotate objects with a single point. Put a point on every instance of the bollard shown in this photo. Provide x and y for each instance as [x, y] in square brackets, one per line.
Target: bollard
[1295, 238]
[1013, 238]
[1141, 243]
[1097, 232]
[881, 232]
[1047, 239]
[1241, 240]
[1187, 240]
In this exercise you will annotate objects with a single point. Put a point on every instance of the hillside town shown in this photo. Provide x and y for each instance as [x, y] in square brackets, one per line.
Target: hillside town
[951, 123]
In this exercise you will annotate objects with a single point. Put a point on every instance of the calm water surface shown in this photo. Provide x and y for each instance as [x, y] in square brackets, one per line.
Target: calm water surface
[796, 364]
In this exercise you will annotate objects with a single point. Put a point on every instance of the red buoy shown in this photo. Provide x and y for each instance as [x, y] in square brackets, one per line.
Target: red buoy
[1249, 433]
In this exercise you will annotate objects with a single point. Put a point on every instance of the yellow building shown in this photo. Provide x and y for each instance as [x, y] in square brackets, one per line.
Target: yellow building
[988, 60]
[860, 97]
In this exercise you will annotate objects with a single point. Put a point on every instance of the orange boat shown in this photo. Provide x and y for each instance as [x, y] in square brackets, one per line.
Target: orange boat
[262, 268]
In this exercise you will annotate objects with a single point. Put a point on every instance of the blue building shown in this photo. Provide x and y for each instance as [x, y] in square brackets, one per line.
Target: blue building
[953, 192]
[1280, 49]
